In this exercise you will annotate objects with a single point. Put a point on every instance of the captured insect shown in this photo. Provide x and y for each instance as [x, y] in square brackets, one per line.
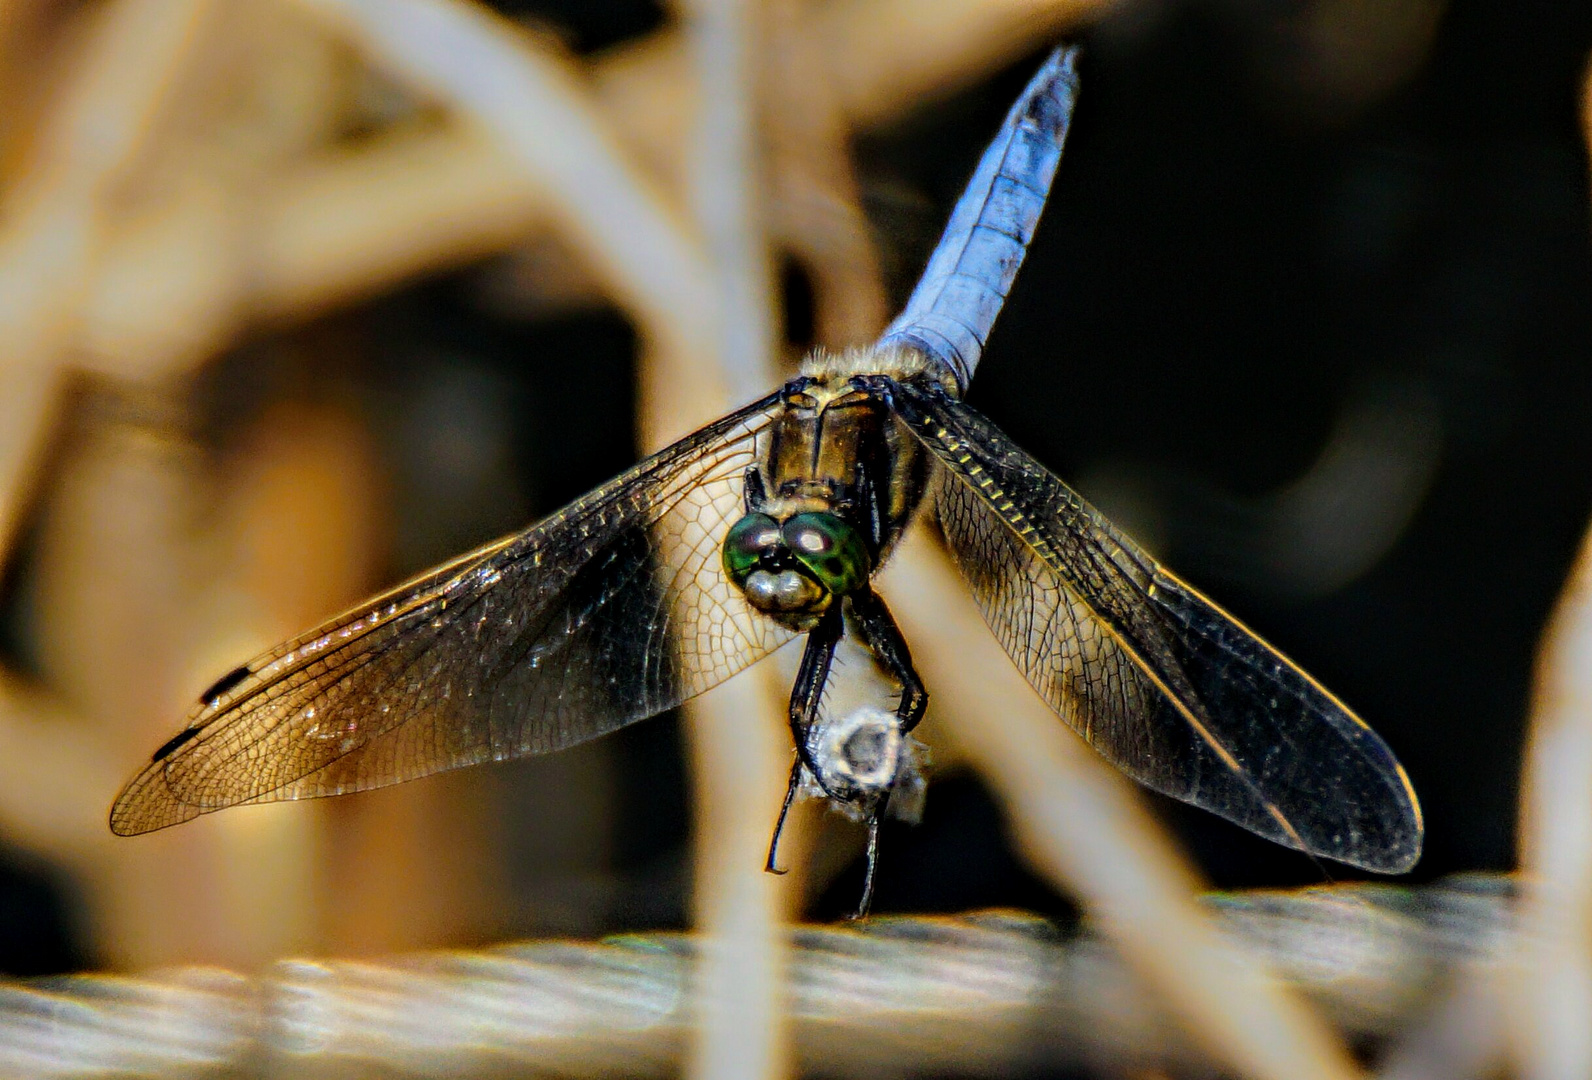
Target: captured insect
[771, 523]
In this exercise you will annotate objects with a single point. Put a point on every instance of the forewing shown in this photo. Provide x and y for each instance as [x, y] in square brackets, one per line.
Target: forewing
[1164, 684]
[611, 610]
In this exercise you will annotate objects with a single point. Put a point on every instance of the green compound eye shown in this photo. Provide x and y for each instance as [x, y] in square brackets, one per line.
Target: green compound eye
[747, 541]
[830, 549]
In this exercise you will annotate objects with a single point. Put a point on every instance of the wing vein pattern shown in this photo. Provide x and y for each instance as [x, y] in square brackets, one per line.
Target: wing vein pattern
[609, 611]
[1162, 682]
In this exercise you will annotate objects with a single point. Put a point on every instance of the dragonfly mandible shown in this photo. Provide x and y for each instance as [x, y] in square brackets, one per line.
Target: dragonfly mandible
[770, 523]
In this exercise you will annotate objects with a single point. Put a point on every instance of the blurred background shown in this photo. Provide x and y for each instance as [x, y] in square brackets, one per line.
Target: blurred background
[1308, 314]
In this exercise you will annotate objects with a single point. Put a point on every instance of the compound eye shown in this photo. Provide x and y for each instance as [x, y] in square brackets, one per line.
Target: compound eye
[747, 542]
[830, 549]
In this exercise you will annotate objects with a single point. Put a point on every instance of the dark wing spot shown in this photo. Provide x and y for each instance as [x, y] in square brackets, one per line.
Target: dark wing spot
[223, 684]
[175, 741]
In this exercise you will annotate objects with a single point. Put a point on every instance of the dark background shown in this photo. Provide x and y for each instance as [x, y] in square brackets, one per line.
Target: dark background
[1236, 257]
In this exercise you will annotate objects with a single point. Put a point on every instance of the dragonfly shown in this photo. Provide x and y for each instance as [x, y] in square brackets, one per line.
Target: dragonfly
[770, 524]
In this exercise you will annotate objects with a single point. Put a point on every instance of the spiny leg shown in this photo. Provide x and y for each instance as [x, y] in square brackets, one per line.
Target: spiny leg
[873, 859]
[882, 636]
[784, 812]
[805, 698]
[880, 633]
[808, 692]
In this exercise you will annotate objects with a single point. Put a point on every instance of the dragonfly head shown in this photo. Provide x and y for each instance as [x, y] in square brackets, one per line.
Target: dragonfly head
[794, 570]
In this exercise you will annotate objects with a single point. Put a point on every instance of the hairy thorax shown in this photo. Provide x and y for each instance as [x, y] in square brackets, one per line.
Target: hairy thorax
[837, 448]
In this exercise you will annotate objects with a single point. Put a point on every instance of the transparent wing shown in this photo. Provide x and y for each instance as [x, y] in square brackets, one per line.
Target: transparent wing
[1162, 682]
[611, 610]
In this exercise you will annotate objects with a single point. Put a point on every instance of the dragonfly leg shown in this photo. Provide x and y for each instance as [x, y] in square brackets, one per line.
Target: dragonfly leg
[805, 697]
[873, 863]
[811, 677]
[771, 866]
[880, 633]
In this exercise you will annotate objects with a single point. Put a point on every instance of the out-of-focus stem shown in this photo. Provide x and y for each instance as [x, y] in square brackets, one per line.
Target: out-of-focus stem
[1551, 996]
[1553, 988]
[817, 203]
[131, 52]
[694, 320]
[42, 806]
[953, 42]
[988, 994]
[179, 282]
[1460, 1038]
[111, 92]
[738, 761]
[534, 107]
[1080, 823]
[727, 186]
